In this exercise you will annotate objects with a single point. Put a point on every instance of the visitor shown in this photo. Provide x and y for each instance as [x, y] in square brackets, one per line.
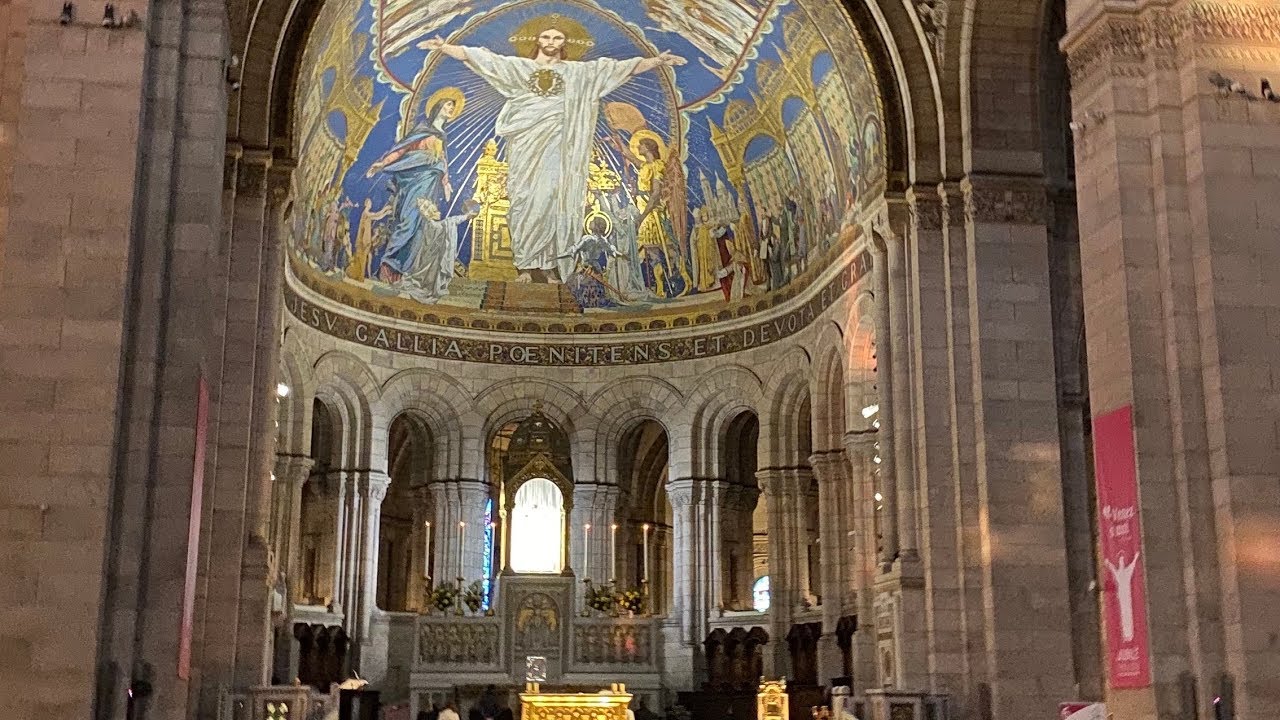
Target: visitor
[488, 704]
[450, 712]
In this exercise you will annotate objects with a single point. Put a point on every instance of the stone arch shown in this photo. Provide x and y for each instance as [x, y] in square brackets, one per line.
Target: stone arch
[622, 405]
[861, 388]
[346, 382]
[445, 406]
[786, 426]
[720, 396]
[516, 398]
[293, 431]
[1001, 40]
[828, 391]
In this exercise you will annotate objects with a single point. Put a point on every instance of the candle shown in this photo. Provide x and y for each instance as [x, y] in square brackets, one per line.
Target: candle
[426, 550]
[462, 543]
[613, 552]
[646, 552]
[586, 549]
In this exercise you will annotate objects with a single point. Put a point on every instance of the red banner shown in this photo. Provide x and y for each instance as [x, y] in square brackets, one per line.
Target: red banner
[185, 630]
[1120, 530]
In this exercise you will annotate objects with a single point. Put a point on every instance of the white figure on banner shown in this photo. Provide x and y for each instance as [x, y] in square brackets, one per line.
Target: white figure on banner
[1122, 574]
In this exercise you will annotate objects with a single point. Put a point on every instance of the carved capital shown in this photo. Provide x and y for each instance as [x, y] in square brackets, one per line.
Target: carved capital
[926, 209]
[830, 468]
[1007, 200]
[251, 173]
[1129, 42]
[293, 468]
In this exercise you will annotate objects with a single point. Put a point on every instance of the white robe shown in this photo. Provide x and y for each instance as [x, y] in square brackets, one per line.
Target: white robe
[549, 140]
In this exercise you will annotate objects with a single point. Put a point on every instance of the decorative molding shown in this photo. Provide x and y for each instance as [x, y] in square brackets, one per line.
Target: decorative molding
[1123, 43]
[926, 210]
[450, 346]
[933, 20]
[1013, 201]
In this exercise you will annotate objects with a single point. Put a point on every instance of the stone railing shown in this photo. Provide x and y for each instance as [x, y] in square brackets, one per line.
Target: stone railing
[623, 644]
[451, 643]
[275, 702]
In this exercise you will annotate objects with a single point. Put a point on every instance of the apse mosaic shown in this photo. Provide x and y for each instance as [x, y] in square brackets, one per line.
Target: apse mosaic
[535, 157]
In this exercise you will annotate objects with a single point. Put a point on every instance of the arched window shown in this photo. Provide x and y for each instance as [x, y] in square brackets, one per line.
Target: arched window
[536, 527]
[760, 594]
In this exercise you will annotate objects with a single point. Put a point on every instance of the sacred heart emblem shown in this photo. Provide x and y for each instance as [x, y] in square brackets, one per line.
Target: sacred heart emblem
[546, 82]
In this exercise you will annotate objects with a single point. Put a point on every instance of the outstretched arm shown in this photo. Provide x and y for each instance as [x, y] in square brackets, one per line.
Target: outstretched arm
[663, 58]
[437, 44]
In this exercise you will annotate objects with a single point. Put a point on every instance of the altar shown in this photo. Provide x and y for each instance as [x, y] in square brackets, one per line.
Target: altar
[539, 631]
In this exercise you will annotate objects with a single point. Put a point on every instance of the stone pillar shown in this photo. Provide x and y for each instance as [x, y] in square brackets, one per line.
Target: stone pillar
[933, 424]
[1181, 301]
[900, 367]
[419, 574]
[714, 545]
[782, 577]
[884, 379]
[458, 501]
[291, 475]
[832, 473]
[1026, 624]
[863, 563]
[371, 489]
[683, 635]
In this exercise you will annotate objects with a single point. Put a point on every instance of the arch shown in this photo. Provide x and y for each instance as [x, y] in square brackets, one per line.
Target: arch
[759, 147]
[293, 432]
[348, 384]
[792, 107]
[722, 394]
[445, 406]
[621, 406]
[785, 427]
[830, 398]
[861, 388]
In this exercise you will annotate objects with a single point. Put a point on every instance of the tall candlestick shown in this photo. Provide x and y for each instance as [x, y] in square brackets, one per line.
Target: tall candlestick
[586, 550]
[462, 543]
[613, 552]
[646, 552]
[426, 550]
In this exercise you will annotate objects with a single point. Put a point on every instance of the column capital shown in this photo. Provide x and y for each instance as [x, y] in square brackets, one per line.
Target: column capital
[860, 442]
[1004, 199]
[684, 492]
[830, 467]
[293, 468]
[926, 208]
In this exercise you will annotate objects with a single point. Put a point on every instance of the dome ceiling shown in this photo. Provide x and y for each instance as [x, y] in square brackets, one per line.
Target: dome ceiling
[570, 165]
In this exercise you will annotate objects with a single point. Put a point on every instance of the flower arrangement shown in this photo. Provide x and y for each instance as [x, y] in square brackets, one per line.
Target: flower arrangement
[444, 596]
[601, 599]
[631, 601]
[473, 596]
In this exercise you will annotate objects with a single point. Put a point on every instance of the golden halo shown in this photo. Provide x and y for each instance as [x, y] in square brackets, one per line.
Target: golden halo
[577, 40]
[608, 222]
[445, 93]
[639, 135]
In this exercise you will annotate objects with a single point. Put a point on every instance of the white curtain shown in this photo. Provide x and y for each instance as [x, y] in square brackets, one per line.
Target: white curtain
[536, 532]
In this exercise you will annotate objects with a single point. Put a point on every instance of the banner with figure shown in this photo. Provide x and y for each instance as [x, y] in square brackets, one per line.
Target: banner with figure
[1120, 530]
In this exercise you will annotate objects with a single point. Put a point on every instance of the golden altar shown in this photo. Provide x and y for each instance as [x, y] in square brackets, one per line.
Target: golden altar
[608, 704]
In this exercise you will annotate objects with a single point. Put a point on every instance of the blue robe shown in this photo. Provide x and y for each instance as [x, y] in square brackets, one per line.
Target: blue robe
[418, 175]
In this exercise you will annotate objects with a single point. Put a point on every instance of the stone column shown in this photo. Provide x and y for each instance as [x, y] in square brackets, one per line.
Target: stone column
[683, 635]
[782, 577]
[900, 368]
[1181, 300]
[714, 545]
[458, 501]
[859, 450]
[291, 475]
[338, 490]
[472, 495]
[831, 470]
[884, 379]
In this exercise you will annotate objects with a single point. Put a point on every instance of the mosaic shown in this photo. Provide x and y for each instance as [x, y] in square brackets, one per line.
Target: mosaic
[547, 159]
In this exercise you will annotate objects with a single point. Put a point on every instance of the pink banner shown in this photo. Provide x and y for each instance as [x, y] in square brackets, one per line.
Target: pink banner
[1120, 530]
[185, 630]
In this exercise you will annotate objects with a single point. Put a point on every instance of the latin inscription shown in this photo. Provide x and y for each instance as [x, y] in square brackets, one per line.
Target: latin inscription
[434, 345]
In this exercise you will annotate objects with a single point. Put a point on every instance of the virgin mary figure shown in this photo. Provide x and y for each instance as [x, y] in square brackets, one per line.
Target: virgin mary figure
[419, 167]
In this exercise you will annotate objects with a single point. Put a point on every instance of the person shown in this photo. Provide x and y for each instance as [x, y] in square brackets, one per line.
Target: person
[488, 704]
[362, 257]
[450, 712]
[426, 278]
[419, 168]
[624, 270]
[548, 122]
[592, 254]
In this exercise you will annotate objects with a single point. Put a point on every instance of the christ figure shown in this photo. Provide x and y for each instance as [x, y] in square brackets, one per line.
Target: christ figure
[549, 124]
[1122, 573]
